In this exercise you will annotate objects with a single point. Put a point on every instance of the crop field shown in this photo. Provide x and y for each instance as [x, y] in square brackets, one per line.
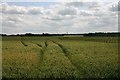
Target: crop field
[59, 57]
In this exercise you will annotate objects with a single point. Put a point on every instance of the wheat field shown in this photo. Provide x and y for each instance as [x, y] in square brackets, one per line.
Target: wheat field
[59, 57]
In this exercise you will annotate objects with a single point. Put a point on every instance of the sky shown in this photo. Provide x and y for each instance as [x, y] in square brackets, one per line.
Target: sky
[59, 16]
[54, 0]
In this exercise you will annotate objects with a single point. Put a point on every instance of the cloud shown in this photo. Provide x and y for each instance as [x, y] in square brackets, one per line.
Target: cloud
[83, 4]
[68, 11]
[115, 7]
[35, 10]
[6, 9]
[73, 17]
[85, 13]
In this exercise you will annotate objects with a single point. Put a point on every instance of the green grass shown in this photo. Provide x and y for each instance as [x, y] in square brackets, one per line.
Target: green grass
[60, 57]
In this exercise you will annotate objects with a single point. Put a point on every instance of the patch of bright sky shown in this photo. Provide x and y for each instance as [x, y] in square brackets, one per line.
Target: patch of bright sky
[109, 0]
[44, 4]
[52, 0]
[28, 0]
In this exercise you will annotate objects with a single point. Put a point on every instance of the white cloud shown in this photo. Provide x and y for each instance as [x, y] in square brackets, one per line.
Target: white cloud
[6, 9]
[74, 17]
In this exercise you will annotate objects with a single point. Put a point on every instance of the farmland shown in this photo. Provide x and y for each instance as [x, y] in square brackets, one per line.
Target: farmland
[59, 57]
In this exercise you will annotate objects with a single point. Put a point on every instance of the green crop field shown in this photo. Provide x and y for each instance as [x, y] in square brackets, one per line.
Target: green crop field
[59, 57]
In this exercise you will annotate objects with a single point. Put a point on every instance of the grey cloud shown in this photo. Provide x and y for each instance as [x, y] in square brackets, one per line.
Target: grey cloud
[103, 22]
[115, 7]
[53, 18]
[75, 4]
[68, 11]
[59, 18]
[100, 13]
[83, 4]
[85, 13]
[13, 11]
[34, 11]
[14, 19]
[119, 6]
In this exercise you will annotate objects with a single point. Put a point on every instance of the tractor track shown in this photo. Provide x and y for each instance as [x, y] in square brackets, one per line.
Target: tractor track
[42, 49]
[39, 45]
[24, 43]
[62, 48]
[66, 53]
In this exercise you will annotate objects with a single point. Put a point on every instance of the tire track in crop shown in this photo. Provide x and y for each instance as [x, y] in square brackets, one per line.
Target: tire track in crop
[62, 48]
[42, 52]
[66, 52]
[46, 43]
[39, 45]
[24, 43]
[42, 49]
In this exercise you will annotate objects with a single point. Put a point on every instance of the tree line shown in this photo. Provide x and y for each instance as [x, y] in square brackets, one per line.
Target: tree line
[100, 34]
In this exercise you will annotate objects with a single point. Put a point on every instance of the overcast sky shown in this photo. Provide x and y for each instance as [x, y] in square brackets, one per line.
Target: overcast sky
[59, 17]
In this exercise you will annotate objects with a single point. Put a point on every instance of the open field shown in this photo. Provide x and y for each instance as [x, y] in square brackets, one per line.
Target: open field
[59, 57]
